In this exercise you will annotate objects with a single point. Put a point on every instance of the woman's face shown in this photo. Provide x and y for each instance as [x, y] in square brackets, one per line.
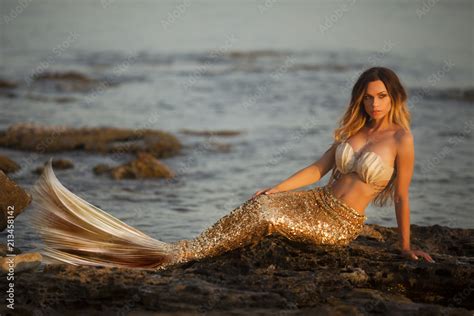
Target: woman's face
[376, 100]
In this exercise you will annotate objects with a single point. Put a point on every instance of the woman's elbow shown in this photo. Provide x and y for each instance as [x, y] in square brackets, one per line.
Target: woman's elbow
[400, 197]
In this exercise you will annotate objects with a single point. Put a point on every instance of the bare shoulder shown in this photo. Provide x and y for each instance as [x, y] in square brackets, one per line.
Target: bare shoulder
[403, 135]
[404, 138]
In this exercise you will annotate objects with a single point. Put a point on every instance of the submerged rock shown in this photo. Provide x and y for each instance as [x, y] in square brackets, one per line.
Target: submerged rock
[42, 139]
[7, 89]
[13, 200]
[6, 84]
[207, 133]
[7, 165]
[275, 276]
[70, 81]
[144, 166]
[102, 168]
[58, 164]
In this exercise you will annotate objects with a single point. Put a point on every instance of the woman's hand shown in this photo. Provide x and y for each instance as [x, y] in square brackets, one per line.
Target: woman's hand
[269, 190]
[416, 254]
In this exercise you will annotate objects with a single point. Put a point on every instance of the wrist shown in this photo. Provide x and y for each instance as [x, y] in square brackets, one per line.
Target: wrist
[404, 243]
[406, 248]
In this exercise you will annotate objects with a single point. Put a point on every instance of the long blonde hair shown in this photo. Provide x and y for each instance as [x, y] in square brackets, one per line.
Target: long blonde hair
[356, 118]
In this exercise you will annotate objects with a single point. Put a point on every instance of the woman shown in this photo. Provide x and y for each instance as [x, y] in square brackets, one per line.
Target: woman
[371, 158]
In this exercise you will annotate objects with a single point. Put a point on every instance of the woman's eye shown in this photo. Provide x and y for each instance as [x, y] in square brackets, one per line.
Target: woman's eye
[383, 96]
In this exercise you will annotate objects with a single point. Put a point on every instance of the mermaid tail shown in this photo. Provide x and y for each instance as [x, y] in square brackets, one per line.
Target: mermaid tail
[313, 216]
[76, 232]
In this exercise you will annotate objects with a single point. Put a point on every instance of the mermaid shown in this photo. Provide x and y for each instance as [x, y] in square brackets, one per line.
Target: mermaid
[371, 159]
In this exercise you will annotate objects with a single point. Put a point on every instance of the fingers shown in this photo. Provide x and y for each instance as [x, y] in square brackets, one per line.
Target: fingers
[427, 257]
[258, 193]
[417, 254]
[271, 191]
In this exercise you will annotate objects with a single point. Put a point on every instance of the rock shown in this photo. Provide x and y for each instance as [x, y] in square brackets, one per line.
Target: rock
[355, 276]
[60, 164]
[7, 165]
[7, 87]
[13, 200]
[70, 81]
[271, 277]
[211, 146]
[20, 263]
[46, 98]
[5, 84]
[101, 169]
[117, 141]
[144, 166]
[225, 133]
[369, 232]
[4, 250]
[220, 147]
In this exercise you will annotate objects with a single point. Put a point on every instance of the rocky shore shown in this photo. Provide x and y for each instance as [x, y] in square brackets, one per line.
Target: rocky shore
[48, 139]
[274, 276]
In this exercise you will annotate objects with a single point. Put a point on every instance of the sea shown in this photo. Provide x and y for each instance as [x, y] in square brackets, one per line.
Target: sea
[279, 72]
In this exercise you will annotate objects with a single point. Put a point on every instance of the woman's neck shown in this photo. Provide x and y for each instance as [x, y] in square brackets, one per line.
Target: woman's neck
[378, 125]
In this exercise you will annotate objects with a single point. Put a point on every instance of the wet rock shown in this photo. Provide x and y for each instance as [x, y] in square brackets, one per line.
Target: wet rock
[13, 200]
[275, 276]
[369, 232]
[20, 263]
[6, 84]
[221, 133]
[144, 166]
[102, 169]
[7, 165]
[355, 276]
[7, 88]
[211, 146]
[117, 141]
[44, 98]
[70, 81]
[4, 249]
[59, 164]
[220, 147]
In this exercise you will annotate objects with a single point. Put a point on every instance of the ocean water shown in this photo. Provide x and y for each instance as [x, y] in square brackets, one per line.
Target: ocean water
[280, 72]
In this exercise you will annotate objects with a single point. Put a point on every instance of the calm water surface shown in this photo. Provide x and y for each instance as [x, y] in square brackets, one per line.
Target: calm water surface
[280, 72]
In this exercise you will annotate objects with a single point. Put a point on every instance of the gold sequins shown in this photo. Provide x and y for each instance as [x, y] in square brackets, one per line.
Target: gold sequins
[313, 216]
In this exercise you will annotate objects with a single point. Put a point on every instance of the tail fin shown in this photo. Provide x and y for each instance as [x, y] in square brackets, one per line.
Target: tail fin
[76, 232]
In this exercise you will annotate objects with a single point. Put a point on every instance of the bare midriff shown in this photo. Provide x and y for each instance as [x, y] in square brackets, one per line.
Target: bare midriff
[350, 189]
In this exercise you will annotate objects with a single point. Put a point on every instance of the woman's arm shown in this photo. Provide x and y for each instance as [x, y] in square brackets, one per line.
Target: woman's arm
[405, 163]
[309, 174]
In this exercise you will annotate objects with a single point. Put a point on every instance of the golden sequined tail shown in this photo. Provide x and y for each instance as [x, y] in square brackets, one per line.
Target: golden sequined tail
[312, 216]
[246, 224]
[76, 232]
